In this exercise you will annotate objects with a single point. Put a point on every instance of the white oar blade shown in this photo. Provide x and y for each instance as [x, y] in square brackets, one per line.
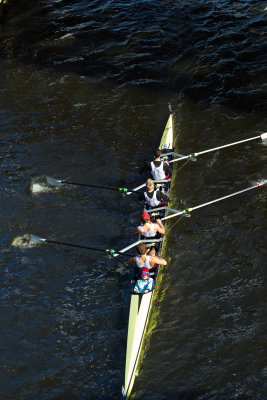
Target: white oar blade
[53, 182]
[36, 239]
[264, 136]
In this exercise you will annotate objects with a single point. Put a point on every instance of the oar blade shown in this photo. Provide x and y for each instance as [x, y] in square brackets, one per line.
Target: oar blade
[264, 136]
[36, 239]
[53, 182]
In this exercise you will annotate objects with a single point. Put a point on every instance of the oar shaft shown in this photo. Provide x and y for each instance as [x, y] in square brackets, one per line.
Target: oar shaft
[179, 159]
[112, 252]
[228, 145]
[224, 197]
[217, 148]
[55, 182]
[89, 185]
[213, 201]
[135, 190]
[73, 245]
[172, 216]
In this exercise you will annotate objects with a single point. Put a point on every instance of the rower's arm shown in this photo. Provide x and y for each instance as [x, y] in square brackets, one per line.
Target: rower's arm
[163, 196]
[136, 230]
[158, 260]
[166, 168]
[160, 227]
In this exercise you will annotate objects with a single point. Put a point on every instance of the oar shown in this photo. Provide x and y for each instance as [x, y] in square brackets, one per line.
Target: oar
[36, 239]
[135, 190]
[58, 182]
[192, 156]
[188, 210]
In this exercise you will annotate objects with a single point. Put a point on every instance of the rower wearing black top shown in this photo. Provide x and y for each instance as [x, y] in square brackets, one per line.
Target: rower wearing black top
[159, 169]
[154, 198]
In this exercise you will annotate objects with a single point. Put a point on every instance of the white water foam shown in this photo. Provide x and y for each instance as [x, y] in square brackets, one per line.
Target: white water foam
[41, 184]
[261, 182]
[22, 242]
[37, 188]
[264, 140]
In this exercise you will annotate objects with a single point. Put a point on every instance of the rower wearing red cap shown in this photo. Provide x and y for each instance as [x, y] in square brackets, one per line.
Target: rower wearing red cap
[145, 284]
[149, 229]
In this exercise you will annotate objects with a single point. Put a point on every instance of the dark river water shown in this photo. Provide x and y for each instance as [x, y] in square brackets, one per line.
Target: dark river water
[84, 95]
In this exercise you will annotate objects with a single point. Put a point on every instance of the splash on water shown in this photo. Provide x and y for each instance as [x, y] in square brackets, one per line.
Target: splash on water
[264, 139]
[40, 185]
[37, 188]
[261, 182]
[26, 241]
[22, 242]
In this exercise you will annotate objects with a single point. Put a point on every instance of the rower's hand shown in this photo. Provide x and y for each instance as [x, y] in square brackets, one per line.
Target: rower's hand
[158, 221]
[166, 162]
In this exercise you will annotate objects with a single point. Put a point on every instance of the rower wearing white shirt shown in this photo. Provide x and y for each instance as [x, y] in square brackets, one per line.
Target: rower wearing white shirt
[153, 197]
[149, 229]
[159, 169]
[144, 260]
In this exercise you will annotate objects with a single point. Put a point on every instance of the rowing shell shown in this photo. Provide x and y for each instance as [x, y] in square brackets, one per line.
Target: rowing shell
[140, 305]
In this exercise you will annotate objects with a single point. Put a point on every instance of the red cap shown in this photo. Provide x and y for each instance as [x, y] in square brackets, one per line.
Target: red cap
[144, 271]
[145, 215]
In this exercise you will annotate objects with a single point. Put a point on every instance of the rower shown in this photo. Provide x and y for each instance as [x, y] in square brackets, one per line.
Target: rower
[145, 284]
[149, 229]
[146, 261]
[159, 169]
[154, 198]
